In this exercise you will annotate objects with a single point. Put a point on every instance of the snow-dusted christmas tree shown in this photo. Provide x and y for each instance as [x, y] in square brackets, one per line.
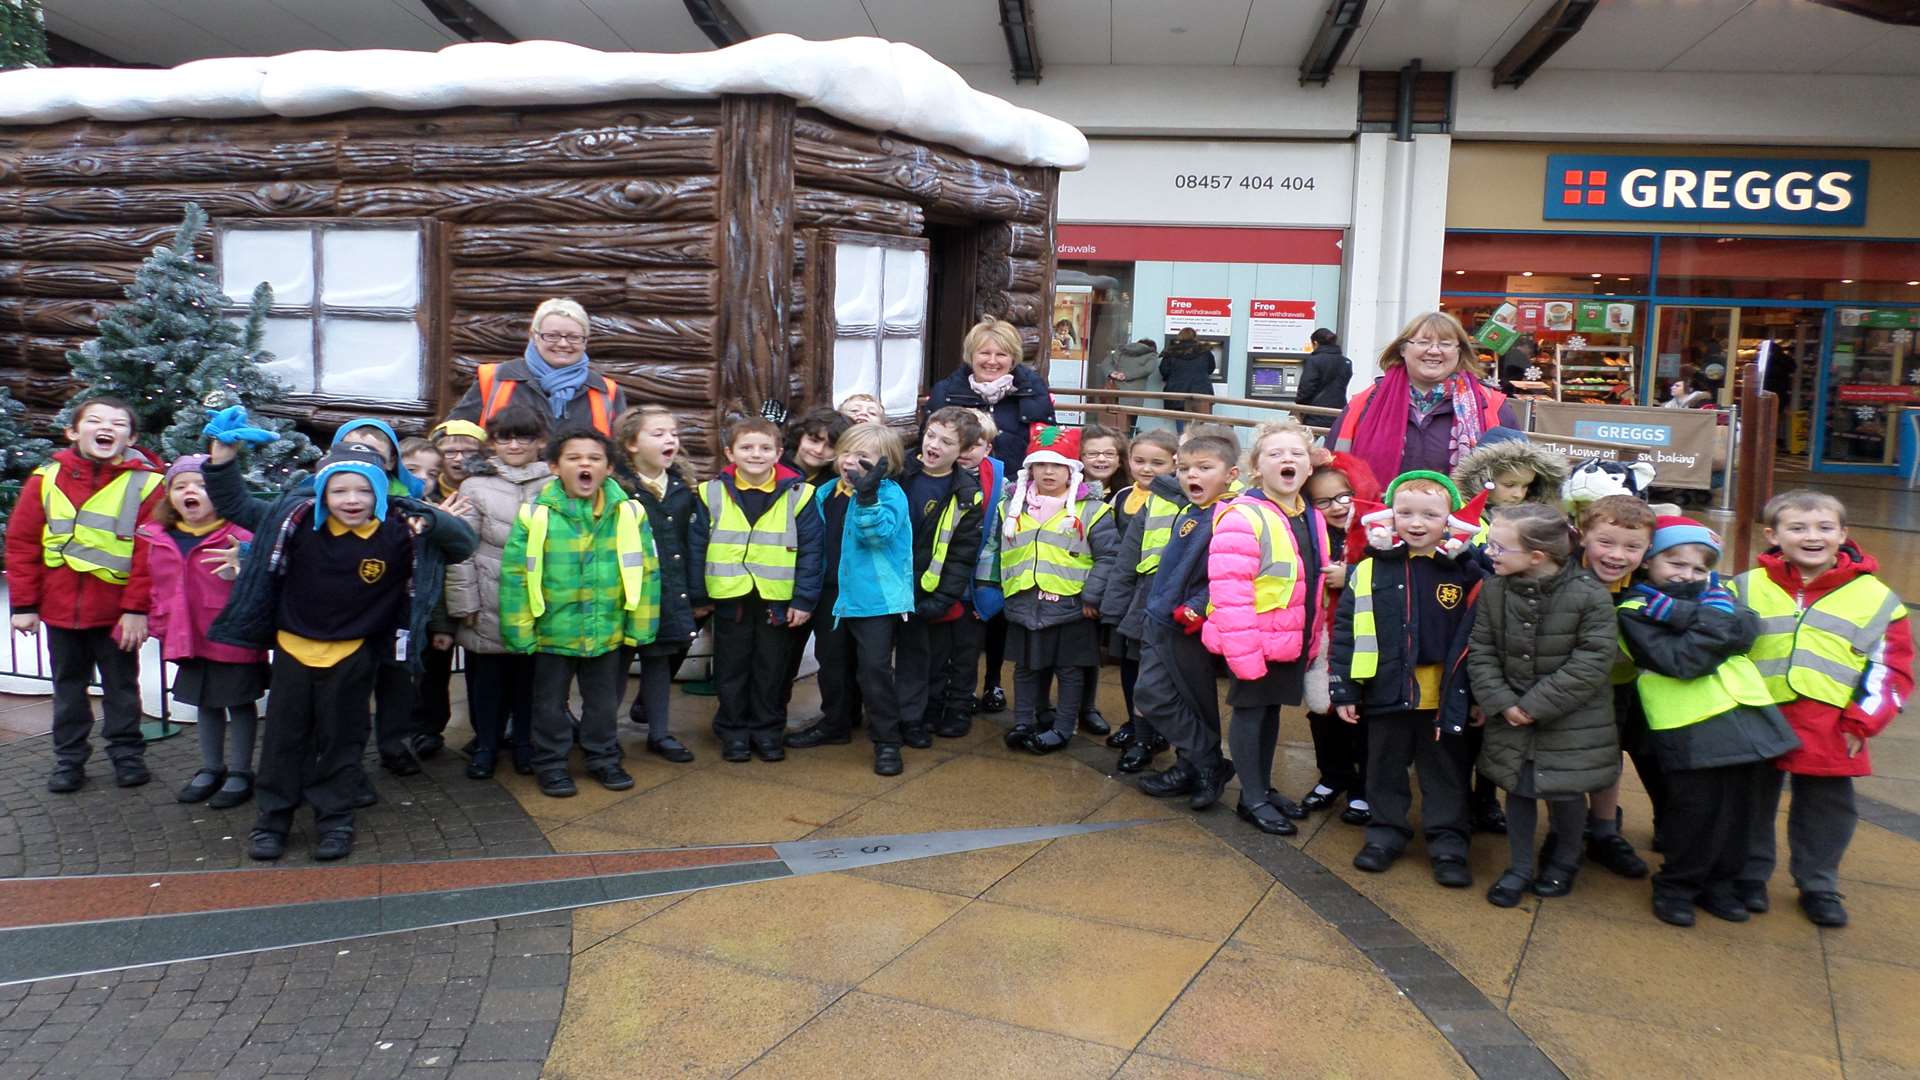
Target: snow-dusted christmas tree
[173, 354]
[23, 35]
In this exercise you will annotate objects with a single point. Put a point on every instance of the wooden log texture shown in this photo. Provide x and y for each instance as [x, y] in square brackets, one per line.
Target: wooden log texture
[202, 160]
[279, 198]
[1010, 238]
[112, 243]
[849, 159]
[644, 243]
[626, 150]
[52, 316]
[614, 337]
[38, 353]
[43, 392]
[93, 280]
[523, 288]
[861, 213]
[756, 258]
[676, 199]
[1024, 309]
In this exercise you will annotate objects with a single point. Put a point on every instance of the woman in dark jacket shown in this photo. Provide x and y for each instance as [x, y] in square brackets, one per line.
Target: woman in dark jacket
[1323, 378]
[1187, 368]
[995, 381]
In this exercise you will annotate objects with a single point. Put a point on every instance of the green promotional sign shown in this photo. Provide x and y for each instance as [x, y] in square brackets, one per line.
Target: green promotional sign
[1590, 317]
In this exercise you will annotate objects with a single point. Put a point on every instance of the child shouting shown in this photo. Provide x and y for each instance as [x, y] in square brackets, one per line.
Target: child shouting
[1343, 489]
[1143, 513]
[650, 437]
[944, 502]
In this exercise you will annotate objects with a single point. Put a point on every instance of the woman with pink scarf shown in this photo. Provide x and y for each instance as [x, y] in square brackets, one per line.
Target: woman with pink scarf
[994, 381]
[1427, 408]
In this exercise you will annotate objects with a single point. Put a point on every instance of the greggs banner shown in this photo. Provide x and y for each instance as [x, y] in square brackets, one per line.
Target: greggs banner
[1679, 443]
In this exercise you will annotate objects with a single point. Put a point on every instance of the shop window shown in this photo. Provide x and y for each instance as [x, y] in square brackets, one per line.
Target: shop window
[346, 315]
[1564, 350]
[1789, 269]
[1564, 263]
[880, 321]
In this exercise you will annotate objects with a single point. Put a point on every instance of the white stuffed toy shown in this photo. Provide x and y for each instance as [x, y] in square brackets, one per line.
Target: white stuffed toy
[1595, 479]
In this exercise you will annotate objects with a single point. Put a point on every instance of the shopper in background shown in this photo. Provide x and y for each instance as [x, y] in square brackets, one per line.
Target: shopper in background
[1324, 377]
[1187, 368]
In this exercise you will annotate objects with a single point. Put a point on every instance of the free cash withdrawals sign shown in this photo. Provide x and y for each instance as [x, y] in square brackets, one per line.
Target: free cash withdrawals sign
[1280, 326]
[1207, 316]
[1724, 190]
[1678, 443]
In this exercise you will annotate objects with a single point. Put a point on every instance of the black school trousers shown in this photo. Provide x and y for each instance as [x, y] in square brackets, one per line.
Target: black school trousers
[1397, 741]
[432, 696]
[922, 653]
[1178, 695]
[1340, 753]
[75, 654]
[499, 699]
[1706, 823]
[603, 682]
[750, 665]
[856, 668]
[315, 732]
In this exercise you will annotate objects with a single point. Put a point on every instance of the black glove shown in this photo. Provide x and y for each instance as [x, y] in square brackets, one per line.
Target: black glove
[867, 488]
[932, 608]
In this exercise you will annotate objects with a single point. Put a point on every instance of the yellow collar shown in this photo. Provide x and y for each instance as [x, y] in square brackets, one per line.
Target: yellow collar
[199, 530]
[362, 531]
[741, 483]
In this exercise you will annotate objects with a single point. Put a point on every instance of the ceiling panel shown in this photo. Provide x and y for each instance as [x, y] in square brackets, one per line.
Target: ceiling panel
[1278, 32]
[1895, 51]
[1642, 35]
[138, 31]
[377, 24]
[816, 20]
[1440, 33]
[1203, 32]
[652, 25]
[952, 31]
[1074, 31]
[556, 20]
[255, 27]
[1781, 35]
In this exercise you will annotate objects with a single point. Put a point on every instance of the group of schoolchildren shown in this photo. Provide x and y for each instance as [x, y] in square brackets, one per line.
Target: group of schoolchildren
[1486, 642]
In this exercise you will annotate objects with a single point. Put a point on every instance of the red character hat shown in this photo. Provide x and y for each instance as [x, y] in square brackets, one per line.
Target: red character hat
[1047, 444]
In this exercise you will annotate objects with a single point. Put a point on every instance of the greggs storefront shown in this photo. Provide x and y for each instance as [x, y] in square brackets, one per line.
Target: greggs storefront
[1640, 274]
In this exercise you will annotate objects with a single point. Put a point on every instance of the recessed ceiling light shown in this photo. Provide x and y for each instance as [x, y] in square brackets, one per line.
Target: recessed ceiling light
[1622, 279]
[1458, 273]
[1526, 273]
[1913, 282]
[1846, 281]
[1596, 277]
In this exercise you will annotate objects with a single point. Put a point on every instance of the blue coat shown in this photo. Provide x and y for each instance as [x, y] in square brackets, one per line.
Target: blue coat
[876, 554]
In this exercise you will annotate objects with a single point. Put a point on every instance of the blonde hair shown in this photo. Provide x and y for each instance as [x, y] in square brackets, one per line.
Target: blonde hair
[877, 439]
[851, 398]
[988, 429]
[1437, 324]
[564, 306]
[998, 331]
[1802, 501]
[1277, 427]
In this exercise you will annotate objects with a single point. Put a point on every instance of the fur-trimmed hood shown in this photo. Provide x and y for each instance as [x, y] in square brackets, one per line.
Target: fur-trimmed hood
[1476, 469]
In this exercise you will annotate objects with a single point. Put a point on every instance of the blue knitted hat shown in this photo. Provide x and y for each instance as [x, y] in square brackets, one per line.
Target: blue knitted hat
[362, 461]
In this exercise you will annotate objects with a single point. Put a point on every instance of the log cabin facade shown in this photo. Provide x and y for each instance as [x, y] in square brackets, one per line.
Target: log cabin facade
[730, 251]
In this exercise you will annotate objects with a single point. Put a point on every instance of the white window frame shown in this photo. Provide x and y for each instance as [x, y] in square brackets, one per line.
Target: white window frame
[828, 347]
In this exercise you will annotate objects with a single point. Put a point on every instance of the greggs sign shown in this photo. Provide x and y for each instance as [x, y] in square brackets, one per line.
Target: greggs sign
[1745, 191]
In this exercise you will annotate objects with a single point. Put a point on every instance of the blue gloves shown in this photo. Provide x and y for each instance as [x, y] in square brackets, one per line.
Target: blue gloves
[1659, 605]
[1717, 598]
[230, 425]
[988, 601]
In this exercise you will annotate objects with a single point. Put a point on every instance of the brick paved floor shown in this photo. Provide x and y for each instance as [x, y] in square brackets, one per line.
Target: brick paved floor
[476, 1001]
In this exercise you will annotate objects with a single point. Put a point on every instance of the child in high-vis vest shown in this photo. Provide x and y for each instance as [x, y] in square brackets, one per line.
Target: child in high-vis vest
[1103, 458]
[1397, 645]
[1836, 653]
[866, 587]
[1544, 642]
[944, 501]
[1344, 490]
[579, 581]
[1615, 532]
[1177, 691]
[757, 539]
[810, 438]
[192, 556]
[1143, 514]
[960, 673]
[70, 566]
[461, 445]
[649, 436]
[1264, 565]
[1710, 719]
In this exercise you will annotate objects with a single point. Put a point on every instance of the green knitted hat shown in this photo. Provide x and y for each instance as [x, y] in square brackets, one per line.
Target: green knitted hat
[1454, 502]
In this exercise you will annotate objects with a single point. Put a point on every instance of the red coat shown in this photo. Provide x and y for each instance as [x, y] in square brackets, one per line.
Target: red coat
[1884, 689]
[62, 597]
[187, 594]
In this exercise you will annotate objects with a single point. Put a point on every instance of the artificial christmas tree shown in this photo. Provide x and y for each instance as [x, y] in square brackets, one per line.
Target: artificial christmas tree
[19, 455]
[172, 353]
[23, 35]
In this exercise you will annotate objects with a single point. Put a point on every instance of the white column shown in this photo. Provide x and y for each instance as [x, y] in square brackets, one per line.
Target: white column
[1399, 228]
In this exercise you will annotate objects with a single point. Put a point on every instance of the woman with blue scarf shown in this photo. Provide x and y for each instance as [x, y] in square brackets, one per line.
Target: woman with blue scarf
[554, 372]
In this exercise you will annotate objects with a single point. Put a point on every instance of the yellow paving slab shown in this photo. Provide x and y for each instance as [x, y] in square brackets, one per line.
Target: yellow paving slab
[1609, 896]
[831, 928]
[967, 874]
[1148, 1067]
[1882, 925]
[1894, 791]
[717, 806]
[1259, 1013]
[1592, 1045]
[592, 797]
[840, 770]
[1007, 788]
[636, 1010]
[593, 925]
[864, 1036]
[1873, 1004]
[1105, 984]
[1282, 923]
[1880, 856]
[1896, 758]
[1130, 805]
[1653, 972]
[1194, 890]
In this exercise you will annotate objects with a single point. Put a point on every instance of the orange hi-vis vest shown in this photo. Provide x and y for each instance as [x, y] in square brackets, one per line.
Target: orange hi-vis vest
[1343, 438]
[494, 397]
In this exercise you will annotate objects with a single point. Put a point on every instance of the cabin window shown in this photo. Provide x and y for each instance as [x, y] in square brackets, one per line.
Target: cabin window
[346, 320]
[880, 321]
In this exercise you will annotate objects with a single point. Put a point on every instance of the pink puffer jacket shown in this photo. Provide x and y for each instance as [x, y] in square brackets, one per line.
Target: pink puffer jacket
[1246, 638]
[188, 595]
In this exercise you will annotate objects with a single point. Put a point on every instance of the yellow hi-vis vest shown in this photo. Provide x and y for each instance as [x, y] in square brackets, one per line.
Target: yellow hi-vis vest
[96, 538]
[1160, 513]
[1819, 653]
[1279, 553]
[748, 556]
[942, 541]
[1366, 636]
[1671, 703]
[1053, 555]
[627, 543]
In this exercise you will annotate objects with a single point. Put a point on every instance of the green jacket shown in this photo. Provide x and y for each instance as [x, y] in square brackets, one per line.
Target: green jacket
[586, 612]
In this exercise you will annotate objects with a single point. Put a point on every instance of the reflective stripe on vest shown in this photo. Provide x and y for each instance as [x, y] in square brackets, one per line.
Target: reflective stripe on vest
[1671, 703]
[1366, 638]
[1160, 513]
[942, 541]
[599, 398]
[752, 556]
[1279, 555]
[1819, 653]
[96, 538]
[627, 544]
[1054, 555]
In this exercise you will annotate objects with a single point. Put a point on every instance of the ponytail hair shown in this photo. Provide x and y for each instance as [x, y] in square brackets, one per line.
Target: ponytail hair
[1540, 528]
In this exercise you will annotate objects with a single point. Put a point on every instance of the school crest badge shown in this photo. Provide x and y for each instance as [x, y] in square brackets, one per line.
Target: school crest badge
[372, 570]
[1190, 525]
[1449, 596]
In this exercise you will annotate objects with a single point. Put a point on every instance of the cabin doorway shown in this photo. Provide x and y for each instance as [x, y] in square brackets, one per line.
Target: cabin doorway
[953, 258]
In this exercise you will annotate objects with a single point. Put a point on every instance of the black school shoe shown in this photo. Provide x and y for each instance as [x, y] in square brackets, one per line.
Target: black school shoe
[202, 786]
[1285, 805]
[400, 764]
[1208, 785]
[768, 747]
[1267, 818]
[918, 736]
[1754, 895]
[65, 778]
[886, 759]
[1140, 754]
[1017, 735]
[1046, 742]
[131, 772]
[1824, 908]
[1722, 905]
[227, 798]
[953, 725]
[1673, 910]
[817, 735]
[1555, 880]
[672, 749]
[1122, 736]
[1508, 890]
[1489, 818]
[1452, 871]
[1093, 723]
[556, 784]
[1314, 802]
[1354, 815]
[994, 700]
[612, 777]
[736, 750]
[1374, 859]
[335, 844]
[482, 765]
[1176, 779]
[265, 846]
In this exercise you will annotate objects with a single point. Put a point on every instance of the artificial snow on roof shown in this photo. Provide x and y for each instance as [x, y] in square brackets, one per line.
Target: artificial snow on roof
[876, 84]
